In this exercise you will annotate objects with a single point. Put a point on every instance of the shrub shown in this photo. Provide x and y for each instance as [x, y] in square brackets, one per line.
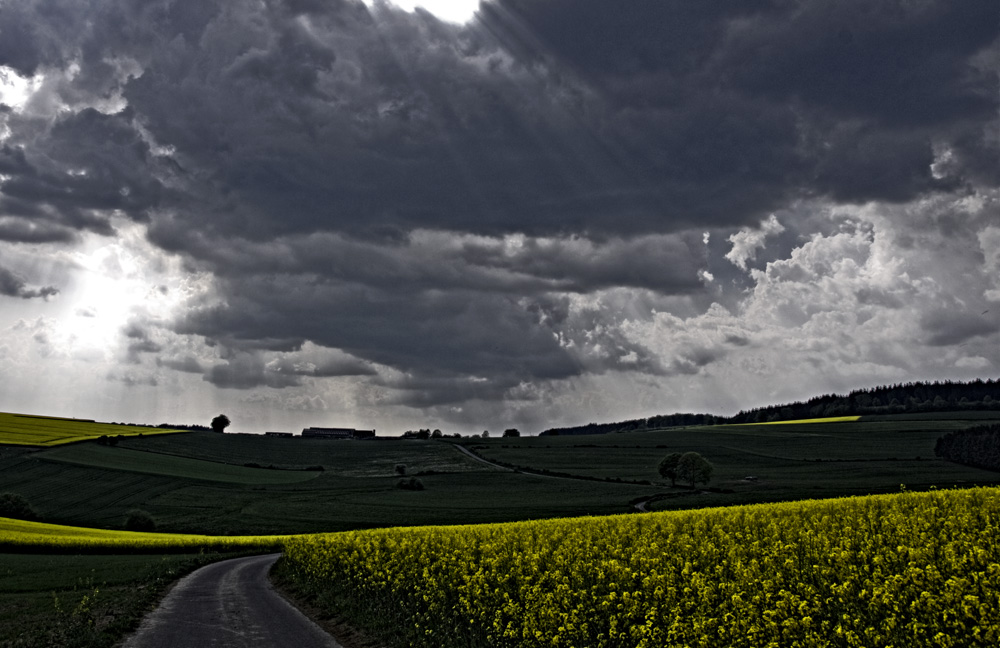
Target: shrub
[977, 446]
[412, 484]
[13, 505]
[137, 520]
[400, 469]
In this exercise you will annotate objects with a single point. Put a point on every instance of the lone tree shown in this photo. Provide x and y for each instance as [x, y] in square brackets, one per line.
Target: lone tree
[668, 467]
[220, 423]
[693, 468]
[512, 432]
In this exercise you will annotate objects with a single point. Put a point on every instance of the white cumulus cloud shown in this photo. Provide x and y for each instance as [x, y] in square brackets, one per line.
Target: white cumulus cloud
[747, 242]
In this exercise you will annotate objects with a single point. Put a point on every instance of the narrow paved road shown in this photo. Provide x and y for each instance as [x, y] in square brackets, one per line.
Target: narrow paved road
[228, 604]
[473, 455]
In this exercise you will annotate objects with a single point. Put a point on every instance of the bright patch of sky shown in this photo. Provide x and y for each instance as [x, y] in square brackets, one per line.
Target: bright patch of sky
[456, 11]
[15, 89]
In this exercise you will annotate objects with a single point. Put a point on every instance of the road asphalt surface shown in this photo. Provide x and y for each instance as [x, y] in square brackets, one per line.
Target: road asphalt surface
[473, 455]
[228, 604]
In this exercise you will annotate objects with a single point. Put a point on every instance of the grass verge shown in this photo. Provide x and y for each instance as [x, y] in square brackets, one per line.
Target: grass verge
[328, 613]
[75, 601]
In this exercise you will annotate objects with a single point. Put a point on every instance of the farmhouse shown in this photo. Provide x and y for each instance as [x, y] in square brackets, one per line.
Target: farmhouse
[337, 433]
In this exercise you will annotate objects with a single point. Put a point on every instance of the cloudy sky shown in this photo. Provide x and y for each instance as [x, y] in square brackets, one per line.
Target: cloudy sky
[481, 215]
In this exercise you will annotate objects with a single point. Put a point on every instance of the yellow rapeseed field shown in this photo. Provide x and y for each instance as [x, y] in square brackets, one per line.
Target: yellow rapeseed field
[829, 419]
[47, 431]
[904, 570]
[22, 535]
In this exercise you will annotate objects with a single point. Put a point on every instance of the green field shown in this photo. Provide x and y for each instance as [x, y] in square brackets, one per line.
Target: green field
[790, 461]
[345, 458]
[356, 490]
[150, 463]
[199, 482]
[45, 431]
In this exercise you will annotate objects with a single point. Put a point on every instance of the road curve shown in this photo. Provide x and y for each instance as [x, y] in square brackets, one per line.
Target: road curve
[473, 455]
[228, 604]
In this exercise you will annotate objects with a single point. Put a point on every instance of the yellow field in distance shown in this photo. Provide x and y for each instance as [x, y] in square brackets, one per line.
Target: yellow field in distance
[47, 431]
[829, 419]
[21, 535]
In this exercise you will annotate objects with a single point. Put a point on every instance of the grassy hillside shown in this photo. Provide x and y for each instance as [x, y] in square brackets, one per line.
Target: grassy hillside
[788, 461]
[356, 490]
[45, 431]
[345, 458]
[199, 482]
[114, 458]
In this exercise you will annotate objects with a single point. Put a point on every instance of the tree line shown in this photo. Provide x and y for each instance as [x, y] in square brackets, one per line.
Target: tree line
[912, 397]
[978, 447]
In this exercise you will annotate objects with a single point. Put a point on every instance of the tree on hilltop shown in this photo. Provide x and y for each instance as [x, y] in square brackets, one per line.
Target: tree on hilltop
[220, 423]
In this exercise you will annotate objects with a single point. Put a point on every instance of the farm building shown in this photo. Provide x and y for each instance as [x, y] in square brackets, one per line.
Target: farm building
[337, 433]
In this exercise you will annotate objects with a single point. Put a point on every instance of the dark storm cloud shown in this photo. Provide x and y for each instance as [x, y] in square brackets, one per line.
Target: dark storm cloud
[856, 84]
[667, 264]
[945, 327]
[543, 117]
[138, 342]
[24, 230]
[900, 63]
[245, 371]
[14, 285]
[34, 34]
[437, 332]
[186, 364]
[691, 361]
[424, 196]
[445, 261]
[320, 363]
[337, 121]
[88, 166]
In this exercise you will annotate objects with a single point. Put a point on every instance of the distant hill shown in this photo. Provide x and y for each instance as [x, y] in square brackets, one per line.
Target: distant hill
[904, 398]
